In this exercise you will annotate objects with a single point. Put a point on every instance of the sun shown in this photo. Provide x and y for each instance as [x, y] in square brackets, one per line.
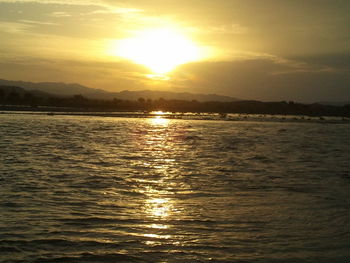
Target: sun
[161, 50]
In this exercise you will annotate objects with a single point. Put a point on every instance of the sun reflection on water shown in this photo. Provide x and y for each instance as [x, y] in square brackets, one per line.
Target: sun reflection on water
[159, 205]
[159, 120]
[159, 226]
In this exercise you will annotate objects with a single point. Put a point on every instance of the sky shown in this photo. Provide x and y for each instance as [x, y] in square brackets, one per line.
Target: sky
[269, 50]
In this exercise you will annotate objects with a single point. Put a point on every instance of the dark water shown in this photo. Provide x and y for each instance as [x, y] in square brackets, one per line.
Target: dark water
[92, 189]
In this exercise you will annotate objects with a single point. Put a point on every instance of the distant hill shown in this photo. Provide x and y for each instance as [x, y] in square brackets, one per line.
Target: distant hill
[21, 91]
[70, 89]
[56, 88]
[9, 89]
[335, 103]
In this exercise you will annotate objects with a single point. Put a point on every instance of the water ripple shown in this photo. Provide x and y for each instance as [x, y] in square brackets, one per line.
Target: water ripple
[92, 189]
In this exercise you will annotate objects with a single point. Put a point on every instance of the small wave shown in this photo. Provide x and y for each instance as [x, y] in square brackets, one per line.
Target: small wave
[96, 220]
[8, 249]
[89, 257]
[10, 204]
[56, 242]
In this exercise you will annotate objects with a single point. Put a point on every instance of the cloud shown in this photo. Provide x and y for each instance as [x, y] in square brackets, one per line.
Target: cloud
[102, 7]
[112, 6]
[22, 26]
[234, 29]
[118, 11]
[60, 14]
[261, 79]
[106, 75]
[33, 22]
[60, 2]
[335, 61]
[246, 79]
[15, 27]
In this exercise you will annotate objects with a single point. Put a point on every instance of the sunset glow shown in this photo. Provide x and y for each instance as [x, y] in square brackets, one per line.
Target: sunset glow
[160, 50]
[251, 50]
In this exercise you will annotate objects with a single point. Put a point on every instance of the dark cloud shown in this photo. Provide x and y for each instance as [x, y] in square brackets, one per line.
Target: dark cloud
[340, 61]
[112, 76]
[265, 79]
[260, 79]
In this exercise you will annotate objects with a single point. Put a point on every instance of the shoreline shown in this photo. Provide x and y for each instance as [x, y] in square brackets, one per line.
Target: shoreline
[50, 111]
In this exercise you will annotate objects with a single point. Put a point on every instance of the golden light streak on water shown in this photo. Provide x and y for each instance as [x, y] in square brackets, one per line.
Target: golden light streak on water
[159, 205]
[159, 120]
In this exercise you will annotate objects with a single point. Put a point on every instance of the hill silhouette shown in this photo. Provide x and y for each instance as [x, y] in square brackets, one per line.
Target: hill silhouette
[71, 89]
[17, 98]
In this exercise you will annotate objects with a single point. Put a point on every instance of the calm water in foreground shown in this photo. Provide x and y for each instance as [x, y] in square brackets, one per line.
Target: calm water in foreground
[93, 189]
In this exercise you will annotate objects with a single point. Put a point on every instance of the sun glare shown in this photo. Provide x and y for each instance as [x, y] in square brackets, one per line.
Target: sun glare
[161, 50]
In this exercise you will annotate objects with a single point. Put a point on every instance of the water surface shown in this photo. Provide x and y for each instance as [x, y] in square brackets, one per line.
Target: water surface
[93, 189]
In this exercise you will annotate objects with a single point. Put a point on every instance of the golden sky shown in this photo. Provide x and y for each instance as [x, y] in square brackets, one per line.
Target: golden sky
[252, 49]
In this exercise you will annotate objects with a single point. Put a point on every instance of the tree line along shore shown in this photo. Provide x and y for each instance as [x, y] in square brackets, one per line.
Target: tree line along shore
[13, 100]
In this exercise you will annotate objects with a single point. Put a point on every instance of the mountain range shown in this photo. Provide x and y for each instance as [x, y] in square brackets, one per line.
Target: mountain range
[70, 89]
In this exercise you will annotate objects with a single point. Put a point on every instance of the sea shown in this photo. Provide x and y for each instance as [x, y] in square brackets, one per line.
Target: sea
[158, 189]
